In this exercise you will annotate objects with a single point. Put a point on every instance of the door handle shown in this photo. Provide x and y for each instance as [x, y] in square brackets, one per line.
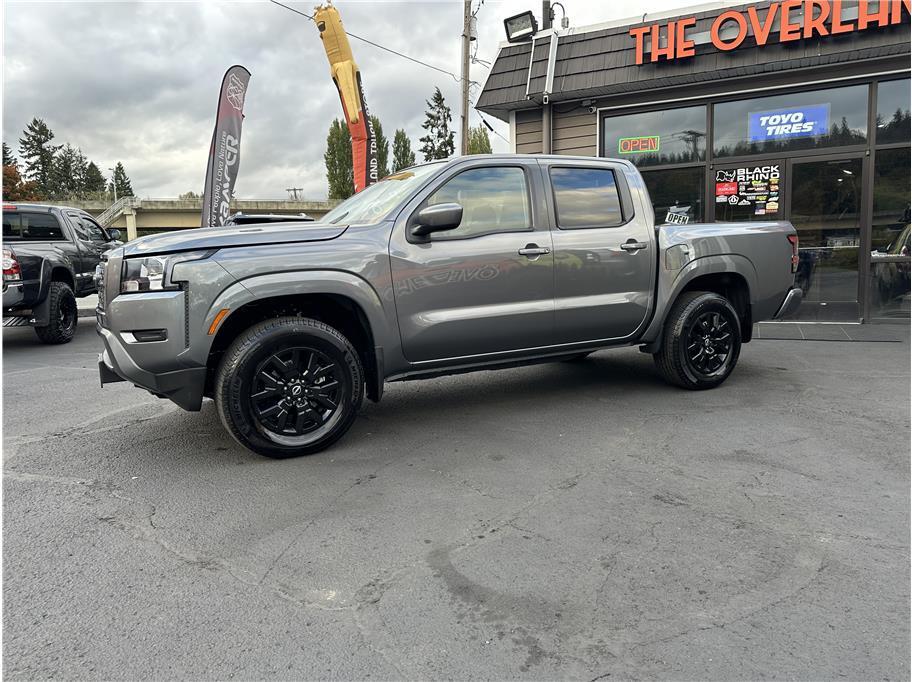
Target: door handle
[631, 246]
[534, 250]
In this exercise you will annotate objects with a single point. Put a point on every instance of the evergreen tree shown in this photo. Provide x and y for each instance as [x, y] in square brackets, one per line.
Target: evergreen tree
[383, 148]
[120, 180]
[403, 156]
[8, 158]
[37, 154]
[94, 181]
[479, 142]
[338, 157]
[68, 174]
[439, 142]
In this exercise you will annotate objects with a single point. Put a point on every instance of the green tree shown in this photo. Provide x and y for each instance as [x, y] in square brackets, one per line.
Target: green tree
[479, 142]
[439, 142]
[403, 156]
[338, 158]
[8, 158]
[95, 182]
[68, 174]
[121, 182]
[383, 148]
[37, 154]
[189, 195]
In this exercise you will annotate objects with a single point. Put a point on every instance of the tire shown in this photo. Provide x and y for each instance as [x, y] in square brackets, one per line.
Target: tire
[64, 315]
[707, 319]
[309, 381]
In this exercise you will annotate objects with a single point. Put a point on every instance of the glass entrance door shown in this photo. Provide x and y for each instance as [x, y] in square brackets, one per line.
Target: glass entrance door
[825, 207]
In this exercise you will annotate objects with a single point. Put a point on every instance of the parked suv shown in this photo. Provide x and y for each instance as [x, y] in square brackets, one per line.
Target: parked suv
[49, 259]
[477, 262]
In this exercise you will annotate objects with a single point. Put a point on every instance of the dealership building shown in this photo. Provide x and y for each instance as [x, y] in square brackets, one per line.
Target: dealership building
[791, 110]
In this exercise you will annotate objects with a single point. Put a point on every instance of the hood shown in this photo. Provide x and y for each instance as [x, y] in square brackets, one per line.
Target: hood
[226, 237]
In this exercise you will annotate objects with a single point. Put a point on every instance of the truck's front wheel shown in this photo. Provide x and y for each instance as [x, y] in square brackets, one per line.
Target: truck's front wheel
[701, 342]
[289, 386]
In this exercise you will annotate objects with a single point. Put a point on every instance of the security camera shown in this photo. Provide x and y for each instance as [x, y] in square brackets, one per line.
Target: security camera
[592, 109]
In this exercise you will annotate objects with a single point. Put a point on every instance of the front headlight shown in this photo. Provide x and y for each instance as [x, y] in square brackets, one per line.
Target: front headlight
[153, 273]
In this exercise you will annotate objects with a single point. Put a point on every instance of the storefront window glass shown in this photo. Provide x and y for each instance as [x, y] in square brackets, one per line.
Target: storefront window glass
[891, 197]
[826, 211]
[893, 113]
[677, 195]
[790, 122]
[656, 137]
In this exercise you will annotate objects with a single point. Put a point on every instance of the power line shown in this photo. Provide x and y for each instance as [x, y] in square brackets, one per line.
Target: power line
[377, 45]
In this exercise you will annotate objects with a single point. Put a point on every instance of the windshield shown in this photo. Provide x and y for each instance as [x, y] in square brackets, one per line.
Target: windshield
[376, 201]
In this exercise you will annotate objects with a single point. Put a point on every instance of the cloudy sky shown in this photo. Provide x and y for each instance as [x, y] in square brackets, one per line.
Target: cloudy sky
[137, 82]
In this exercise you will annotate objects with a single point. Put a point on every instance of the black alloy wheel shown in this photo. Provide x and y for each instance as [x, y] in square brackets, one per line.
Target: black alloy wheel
[296, 391]
[701, 341]
[709, 343]
[289, 386]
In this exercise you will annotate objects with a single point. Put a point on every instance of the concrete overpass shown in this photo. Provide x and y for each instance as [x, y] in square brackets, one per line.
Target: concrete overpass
[136, 216]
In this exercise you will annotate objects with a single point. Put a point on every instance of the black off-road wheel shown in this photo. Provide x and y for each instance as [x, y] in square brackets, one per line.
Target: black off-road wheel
[61, 327]
[701, 342]
[289, 386]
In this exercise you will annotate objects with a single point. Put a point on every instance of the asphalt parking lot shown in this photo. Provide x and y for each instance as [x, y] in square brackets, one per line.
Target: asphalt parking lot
[576, 520]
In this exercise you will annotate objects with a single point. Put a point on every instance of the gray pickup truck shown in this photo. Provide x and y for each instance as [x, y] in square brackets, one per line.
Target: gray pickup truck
[478, 262]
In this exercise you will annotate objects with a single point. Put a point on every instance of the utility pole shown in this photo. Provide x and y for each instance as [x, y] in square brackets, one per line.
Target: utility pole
[113, 184]
[466, 39]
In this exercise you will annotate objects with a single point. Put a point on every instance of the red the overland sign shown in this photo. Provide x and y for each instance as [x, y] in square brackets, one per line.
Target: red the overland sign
[781, 22]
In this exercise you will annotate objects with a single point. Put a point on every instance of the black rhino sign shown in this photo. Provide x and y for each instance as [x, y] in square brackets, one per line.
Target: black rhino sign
[754, 186]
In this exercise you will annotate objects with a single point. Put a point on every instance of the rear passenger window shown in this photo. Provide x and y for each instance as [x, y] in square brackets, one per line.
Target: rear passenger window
[24, 226]
[586, 197]
[492, 200]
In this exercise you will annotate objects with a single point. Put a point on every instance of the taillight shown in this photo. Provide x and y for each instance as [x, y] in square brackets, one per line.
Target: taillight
[793, 240]
[11, 270]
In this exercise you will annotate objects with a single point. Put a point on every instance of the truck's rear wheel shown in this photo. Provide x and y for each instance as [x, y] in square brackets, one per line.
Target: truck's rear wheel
[289, 386]
[61, 327]
[701, 342]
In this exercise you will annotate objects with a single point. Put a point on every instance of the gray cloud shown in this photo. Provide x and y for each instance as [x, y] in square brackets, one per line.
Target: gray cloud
[138, 82]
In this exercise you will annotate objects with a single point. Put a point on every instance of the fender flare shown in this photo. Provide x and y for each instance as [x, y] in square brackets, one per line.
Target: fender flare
[707, 265]
[300, 283]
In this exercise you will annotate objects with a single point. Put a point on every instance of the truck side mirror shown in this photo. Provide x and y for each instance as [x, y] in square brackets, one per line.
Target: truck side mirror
[114, 234]
[437, 218]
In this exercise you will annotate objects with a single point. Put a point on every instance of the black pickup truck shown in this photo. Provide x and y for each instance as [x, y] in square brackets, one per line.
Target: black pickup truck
[49, 259]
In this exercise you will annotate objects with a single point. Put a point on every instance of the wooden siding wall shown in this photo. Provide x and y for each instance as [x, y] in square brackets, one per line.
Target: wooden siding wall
[574, 132]
[529, 132]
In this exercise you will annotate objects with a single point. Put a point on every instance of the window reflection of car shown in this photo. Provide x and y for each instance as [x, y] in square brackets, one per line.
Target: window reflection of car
[807, 262]
[893, 277]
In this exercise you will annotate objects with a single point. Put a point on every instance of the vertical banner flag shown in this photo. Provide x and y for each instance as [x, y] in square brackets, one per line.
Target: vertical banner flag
[347, 78]
[225, 151]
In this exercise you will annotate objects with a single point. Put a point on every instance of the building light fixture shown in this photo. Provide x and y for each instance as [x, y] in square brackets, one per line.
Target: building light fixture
[520, 27]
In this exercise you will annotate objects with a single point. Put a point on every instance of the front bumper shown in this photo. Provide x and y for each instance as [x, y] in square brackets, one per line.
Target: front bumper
[184, 387]
[155, 365]
[792, 300]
